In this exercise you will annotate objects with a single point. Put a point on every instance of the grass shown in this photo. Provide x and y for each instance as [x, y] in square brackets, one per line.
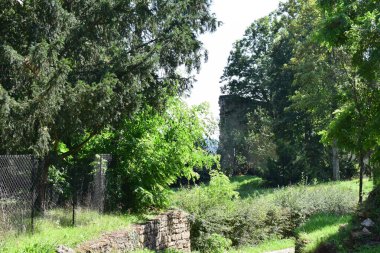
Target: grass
[318, 229]
[260, 248]
[266, 246]
[249, 186]
[326, 228]
[55, 229]
[303, 203]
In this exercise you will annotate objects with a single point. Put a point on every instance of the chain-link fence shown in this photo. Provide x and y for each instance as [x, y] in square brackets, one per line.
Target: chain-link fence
[16, 191]
[91, 194]
[19, 180]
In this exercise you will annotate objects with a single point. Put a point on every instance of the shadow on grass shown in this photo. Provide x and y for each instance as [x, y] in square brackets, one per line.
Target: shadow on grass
[250, 185]
[321, 232]
[353, 238]
[318, 236]
[320, 221]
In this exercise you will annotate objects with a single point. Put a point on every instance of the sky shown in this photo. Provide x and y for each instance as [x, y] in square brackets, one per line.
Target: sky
[236, 16]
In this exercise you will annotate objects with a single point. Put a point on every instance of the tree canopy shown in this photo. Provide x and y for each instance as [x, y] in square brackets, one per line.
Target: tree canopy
[259, 68]
[312, 67]
[72, 68]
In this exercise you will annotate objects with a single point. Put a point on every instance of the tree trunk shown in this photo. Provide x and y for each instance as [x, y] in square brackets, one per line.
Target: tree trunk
[362, 169]
[41, 184]
[335, 161]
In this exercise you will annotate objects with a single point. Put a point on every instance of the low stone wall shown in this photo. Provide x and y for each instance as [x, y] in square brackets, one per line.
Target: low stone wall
[170, 230]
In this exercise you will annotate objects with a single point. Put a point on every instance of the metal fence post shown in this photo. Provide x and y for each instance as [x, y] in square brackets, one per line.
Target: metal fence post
[32, 190]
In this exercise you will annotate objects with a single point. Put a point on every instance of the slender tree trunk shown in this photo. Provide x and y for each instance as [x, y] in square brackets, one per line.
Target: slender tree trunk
[41, 184]
[335, 161]
[362, 169]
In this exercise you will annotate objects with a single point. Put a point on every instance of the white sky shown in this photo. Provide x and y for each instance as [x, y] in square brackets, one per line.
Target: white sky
[236, 16]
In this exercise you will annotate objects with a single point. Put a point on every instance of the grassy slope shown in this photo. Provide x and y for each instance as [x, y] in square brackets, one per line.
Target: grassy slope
[326, 227]
[317, 229]
[266, 246]
[252, 186]
[55, 230]
[311, 233]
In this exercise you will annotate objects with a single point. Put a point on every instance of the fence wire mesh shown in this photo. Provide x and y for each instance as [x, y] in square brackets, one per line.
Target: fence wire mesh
[16, 191]
[18, 183]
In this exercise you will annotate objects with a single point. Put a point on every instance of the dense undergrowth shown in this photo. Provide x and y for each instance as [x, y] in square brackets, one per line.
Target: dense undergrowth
[260, 214]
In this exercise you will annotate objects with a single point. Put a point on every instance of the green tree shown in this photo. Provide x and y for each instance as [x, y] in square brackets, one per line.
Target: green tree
[320, 74]
[257, 69]
[154, 150]
[73, 68]
[355, 25]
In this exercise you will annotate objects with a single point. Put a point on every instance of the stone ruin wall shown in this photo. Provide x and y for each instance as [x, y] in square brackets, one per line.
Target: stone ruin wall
[170, 230]
[233, 122]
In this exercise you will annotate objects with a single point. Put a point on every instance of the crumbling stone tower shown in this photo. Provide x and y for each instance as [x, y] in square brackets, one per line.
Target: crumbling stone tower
[233, 127]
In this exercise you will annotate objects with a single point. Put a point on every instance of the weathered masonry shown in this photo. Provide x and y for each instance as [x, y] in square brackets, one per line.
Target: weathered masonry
[170, 230]
[233, 125]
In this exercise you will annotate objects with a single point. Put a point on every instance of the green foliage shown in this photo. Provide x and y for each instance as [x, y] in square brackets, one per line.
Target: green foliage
[71, 70]
[304, 201]
[154, 150]
[264, 214]
[354, 24]
[200, 199]
[281, 138]
[215, 243]
[74, 68]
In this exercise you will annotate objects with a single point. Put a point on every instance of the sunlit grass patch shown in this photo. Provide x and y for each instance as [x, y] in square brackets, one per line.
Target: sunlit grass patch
[55, 229]
[266, 246]
[317, 229]
[249, 185]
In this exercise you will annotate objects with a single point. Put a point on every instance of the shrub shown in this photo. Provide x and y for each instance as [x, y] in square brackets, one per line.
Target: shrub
[217, 209]
[257, 220]
[200, 199]
[302, 201]
[215, 243]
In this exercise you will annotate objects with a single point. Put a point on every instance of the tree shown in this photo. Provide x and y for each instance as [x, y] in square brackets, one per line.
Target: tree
[154, 150]
[353, 126]
[354, 25]
[73, 68]
[320, 74]
[258, 69]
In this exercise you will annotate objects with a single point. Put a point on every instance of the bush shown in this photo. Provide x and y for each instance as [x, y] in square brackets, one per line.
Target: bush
[200, 199]
[215, 243]
[217, 209]
[303, 201]
[257, 220]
